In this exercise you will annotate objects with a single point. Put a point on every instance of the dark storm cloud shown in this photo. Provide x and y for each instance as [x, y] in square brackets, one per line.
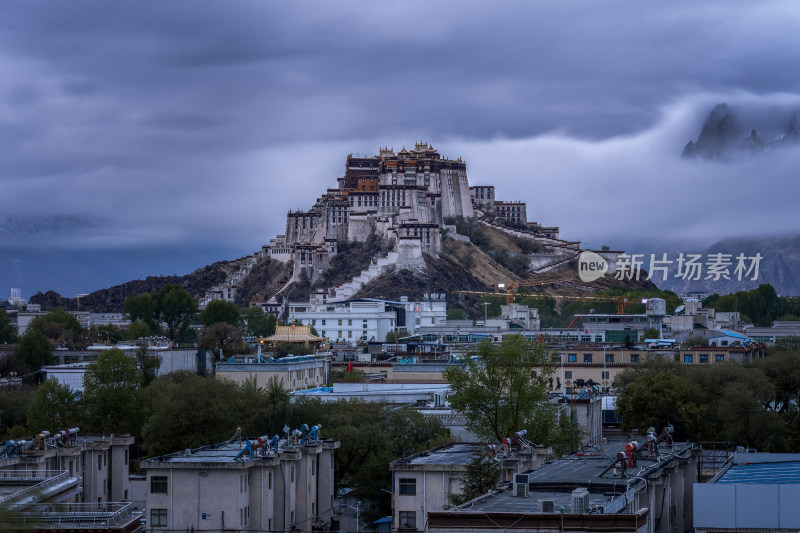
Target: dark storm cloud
[205, 121]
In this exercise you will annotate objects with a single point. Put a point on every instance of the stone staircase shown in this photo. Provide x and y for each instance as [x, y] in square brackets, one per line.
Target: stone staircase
[555, 265]
[346, 290]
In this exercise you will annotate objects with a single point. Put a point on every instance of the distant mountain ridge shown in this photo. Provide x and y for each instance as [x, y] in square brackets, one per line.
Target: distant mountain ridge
[723, 135]
[779, 266]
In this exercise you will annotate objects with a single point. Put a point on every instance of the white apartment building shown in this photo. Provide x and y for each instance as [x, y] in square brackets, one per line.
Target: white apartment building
[240, 486]
[423, 481]
[102, 462]
[365, 319]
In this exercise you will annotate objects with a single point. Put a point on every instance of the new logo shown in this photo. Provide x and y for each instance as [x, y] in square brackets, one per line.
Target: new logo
[591, 266]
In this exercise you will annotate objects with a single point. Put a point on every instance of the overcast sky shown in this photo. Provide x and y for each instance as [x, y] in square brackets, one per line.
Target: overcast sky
[202, 123]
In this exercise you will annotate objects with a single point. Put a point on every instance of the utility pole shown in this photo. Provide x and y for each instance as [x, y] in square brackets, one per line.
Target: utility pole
[485, 310]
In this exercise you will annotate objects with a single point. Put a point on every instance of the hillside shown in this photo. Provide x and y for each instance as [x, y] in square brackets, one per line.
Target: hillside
[111, 299]
[465, 269]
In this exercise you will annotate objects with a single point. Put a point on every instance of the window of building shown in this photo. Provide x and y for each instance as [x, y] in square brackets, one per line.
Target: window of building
[313, 467]
[350, 322]
[323, 321]
[688, 358]
[269, 481]
[158, 517]
[586, 338]
[703, 358]
[349, 334]
[634, 358]
[587, 358]
[719, 358]
[533, 374]
[604, 374]
[340, 321]
[568, 374]
[598, 338]
[609, 358]
[407, 486]
[99, 462]
[408, 520]
[572, 358]
[126, 456]
[158, 485]
[292, 478]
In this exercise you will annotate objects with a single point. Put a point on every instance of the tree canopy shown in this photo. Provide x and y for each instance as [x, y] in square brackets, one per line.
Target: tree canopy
[34, 350]
[496, 390]
[112, 393]
[761, 305]
[747, 404]
[257, 323]
[176, 309]
[54, 407]
[222, 339]
[6, 331]
[171, 305]
[221, 311]
[58, 326]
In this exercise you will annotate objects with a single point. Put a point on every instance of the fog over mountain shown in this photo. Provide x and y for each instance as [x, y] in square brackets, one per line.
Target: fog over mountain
[194, 126]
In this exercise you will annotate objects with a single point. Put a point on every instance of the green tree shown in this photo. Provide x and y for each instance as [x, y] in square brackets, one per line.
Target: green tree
[143, 308]
[456, 313]
[494, 387]
[6, 330]
[221, 340]
[176, 309]
[188, 410]
[149, 364]
[105, 333]
[272, 324]
[656, 395]
[481, 475]
[137, 330]
[54, 407]
[112, 393]
[58, 326]
[14, 401]
[651, 333]
[257, 322]
[220, 311]
[695, 341]
[34, 350]
[395, 336]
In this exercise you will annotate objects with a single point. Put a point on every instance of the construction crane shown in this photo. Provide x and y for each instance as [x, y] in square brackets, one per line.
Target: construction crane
[622, 302]
[511, 286]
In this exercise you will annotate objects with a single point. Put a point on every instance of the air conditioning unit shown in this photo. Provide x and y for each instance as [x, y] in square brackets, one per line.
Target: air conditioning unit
[545, 506]
[580, 500]
[521, 485]
[520, 478]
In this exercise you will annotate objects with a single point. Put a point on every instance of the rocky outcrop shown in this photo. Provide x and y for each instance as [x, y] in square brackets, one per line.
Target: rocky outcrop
[721, 137]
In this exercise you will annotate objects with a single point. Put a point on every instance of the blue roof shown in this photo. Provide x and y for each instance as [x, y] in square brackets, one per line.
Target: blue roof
[384, 520]
[729, 333]
[773, 473]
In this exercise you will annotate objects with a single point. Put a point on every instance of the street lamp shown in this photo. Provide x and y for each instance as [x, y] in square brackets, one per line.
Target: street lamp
[355, 509]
